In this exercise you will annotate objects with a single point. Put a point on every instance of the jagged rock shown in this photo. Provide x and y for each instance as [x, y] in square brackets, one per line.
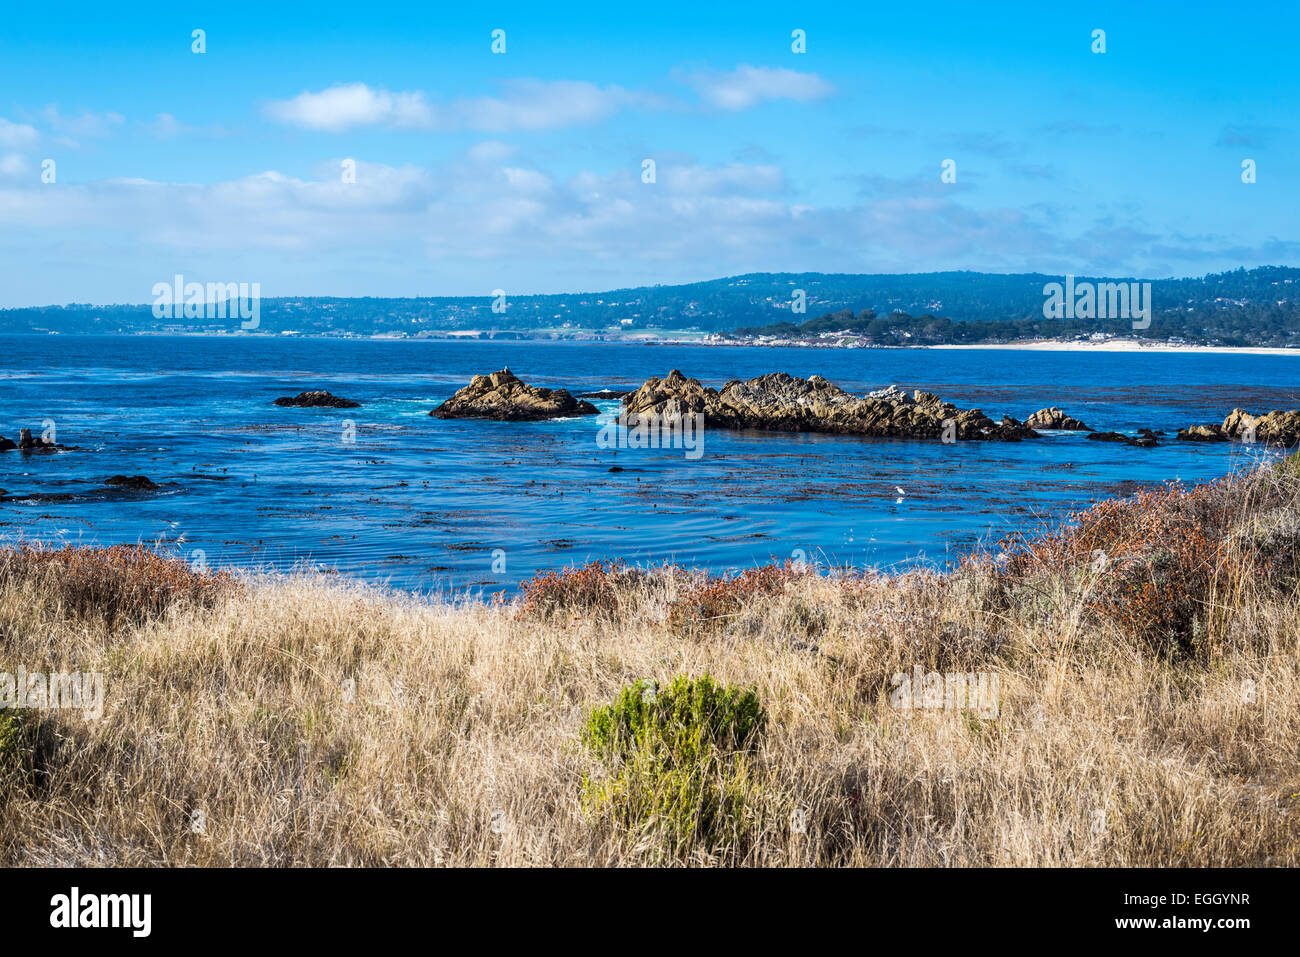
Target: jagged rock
[1054, 418]
[891, 394]
[29, 443]
[26, 441]
[137, 482]
[1274, 428]
[1201, 433]
[503, 396]
[316, 399]
[783, 403]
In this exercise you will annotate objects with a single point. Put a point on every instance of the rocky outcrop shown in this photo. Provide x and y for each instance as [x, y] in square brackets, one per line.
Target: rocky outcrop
[1201, 433]
[1145, 439]
[139, 483]
[28, 443]
[1273, 428]
[1054, 418]
[779, 402]
[504, 397]
[602, 394]
[317, 399]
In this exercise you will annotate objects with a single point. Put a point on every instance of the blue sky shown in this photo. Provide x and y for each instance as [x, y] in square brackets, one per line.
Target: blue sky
[523, 170]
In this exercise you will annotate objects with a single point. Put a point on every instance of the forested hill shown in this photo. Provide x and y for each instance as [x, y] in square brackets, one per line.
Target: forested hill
[1243, 307]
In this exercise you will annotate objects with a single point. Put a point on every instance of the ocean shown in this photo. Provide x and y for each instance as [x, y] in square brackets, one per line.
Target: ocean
[388, 493]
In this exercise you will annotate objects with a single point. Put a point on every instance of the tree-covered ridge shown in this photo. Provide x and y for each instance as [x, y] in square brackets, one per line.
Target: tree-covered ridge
[1242, 307]
[1259, 307]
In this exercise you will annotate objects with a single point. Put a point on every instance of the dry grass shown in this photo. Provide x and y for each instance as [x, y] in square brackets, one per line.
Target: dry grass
[293, 721]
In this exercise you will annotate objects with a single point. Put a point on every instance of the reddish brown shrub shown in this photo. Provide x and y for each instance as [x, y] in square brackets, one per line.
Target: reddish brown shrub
[119, 583]
[1157, 556]
[587, 588]
[708, 605]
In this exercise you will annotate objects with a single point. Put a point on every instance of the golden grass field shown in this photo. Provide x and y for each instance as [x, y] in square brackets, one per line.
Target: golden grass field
[1149, 708]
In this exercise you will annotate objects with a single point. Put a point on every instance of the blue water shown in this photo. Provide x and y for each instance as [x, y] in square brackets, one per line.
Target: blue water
[437, 505]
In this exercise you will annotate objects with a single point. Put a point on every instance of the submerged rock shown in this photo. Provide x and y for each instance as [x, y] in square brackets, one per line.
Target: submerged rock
[1054, 418]
[602, 394]
[140, 483]
[317, 399]
[504, 397]
[783, 403]
[1145, 438]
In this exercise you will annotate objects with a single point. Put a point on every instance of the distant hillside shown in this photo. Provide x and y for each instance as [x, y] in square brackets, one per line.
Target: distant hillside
[1259, 307]
[1244, 307]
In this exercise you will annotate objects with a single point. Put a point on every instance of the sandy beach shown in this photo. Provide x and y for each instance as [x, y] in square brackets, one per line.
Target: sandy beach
[1120, 345]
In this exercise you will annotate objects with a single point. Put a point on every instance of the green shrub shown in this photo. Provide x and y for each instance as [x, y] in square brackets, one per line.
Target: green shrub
[12, 764]
[9, 737]
[677, 761]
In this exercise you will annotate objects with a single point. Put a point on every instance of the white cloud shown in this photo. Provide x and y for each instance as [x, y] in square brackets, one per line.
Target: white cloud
[529, 104]
[491, 151]
[84, 125]
[732, 179]
[351, 105]
[523, 105]
[13, 164]
[165, 126]
[484, 219]
[493, 219]
[17, 135]
[747, 86]
[537, 105]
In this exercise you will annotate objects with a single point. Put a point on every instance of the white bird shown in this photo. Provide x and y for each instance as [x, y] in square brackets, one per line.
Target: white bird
[899, 490]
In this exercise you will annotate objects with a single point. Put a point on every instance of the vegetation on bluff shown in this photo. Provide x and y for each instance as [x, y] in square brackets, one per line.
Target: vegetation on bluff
[1147, 653]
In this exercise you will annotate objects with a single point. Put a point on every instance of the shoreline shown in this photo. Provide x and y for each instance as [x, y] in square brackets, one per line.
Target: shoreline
[1034, 345]
[1122, 345]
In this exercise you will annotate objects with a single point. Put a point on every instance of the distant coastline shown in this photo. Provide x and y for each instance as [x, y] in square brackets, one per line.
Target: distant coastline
[647, 339]
[1118, 345]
